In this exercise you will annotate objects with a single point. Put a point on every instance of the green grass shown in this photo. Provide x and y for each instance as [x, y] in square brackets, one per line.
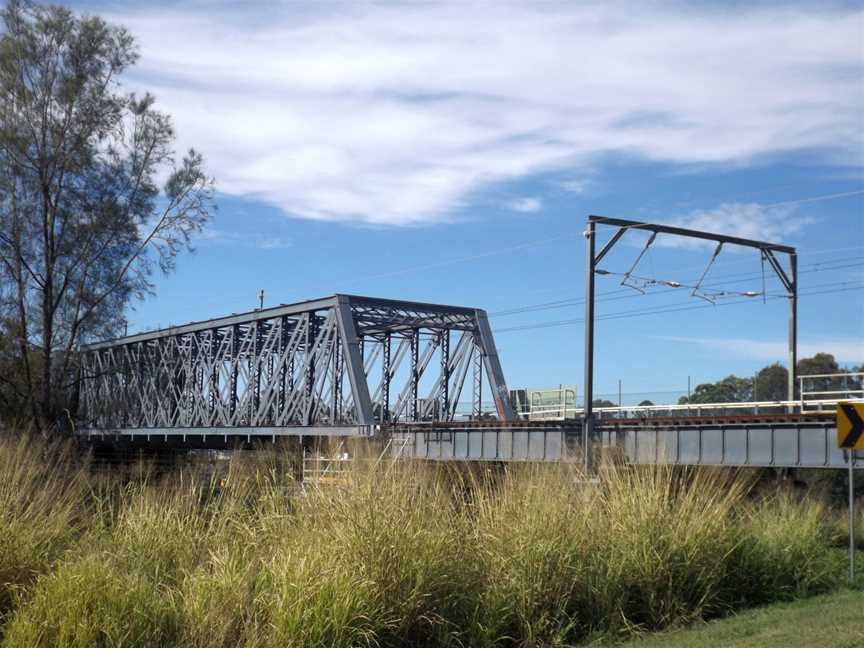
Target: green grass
[825, 621]
[398, 554]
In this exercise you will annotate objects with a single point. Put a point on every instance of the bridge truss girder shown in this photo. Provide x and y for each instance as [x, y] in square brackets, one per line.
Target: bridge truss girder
[342, 360]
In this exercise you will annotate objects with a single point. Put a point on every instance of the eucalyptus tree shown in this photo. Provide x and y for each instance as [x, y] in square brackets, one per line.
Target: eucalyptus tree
[84, 222]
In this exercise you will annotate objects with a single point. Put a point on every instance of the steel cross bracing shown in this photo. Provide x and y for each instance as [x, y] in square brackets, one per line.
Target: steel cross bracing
[340, 361]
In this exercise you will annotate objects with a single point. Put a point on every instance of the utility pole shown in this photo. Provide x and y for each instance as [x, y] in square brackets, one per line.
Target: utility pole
[792, 290]
[588, 410]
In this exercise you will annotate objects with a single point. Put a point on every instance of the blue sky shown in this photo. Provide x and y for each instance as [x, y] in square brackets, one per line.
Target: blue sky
[451, 153]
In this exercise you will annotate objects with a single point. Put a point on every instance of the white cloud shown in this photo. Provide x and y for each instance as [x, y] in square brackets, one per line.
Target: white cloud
[244, 239]
[773, 224]
[845, 350]
[274, 243]
[526, 205]
[574, 185]
[399, 113]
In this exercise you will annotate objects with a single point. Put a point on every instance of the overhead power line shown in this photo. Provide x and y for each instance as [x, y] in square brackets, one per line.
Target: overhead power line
[849, 287]
[615, 295]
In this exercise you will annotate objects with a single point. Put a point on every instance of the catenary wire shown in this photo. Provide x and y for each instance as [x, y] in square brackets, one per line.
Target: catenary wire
[675, 309]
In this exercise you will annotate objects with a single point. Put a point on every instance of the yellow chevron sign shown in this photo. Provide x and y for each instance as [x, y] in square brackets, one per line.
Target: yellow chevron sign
[850, 426]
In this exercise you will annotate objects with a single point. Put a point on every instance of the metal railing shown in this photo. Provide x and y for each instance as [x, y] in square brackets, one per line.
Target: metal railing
[819, 397]
[707, 409]
[847, 385]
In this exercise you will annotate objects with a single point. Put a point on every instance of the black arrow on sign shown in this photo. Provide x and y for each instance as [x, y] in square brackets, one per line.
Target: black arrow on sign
[857, 426]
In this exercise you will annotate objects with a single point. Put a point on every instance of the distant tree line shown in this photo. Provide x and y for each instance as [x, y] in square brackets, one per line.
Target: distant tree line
[771, 383]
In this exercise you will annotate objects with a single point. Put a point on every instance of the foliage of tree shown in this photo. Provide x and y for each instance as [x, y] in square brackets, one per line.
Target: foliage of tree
[821, 363]
[602, 402]
[83, 223]
[730, 389]
[771, 383]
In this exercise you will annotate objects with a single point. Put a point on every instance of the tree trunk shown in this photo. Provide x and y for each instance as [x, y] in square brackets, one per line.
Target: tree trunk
[46, 405]
[23, 333]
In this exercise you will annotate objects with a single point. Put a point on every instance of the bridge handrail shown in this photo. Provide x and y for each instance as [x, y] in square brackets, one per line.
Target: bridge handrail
[856, 387]
[834, 391]
[832, 375]
[690, 407]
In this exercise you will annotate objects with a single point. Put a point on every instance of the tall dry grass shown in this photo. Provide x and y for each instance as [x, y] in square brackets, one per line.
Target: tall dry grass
[398, 554]
[44, 506]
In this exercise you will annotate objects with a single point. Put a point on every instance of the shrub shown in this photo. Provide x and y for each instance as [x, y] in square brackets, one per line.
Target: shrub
[217, 600]
[783, 552]
[93, 601]
[312, 601]
[534, 536]
[397, 530]
[644, 548]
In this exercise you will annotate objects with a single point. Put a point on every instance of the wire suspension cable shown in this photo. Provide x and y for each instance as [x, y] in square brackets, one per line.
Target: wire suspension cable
[625, 280]
[705, 295]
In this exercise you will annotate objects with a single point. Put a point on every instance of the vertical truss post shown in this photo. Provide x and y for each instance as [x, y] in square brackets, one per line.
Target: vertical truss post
[235, 363]
[272, 381]
[385, 381]
[214, 375]
[309, 378]
[176, 370]
[141, 366]
[445, 374]
[126, 395]
[338, 354]
[283, 364]
[477, 386]
[415, 374]
[292, 370]
[255, 372]
[197, 396]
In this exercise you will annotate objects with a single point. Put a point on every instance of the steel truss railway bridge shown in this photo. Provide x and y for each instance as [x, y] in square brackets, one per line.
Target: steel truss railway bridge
[341, 365]
[349, 366]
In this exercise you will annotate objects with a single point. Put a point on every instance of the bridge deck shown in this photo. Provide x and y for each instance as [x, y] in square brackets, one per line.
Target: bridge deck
[771, 439]
[800, 440]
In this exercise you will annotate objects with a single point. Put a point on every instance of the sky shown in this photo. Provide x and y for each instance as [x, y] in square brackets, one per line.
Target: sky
[451, 153]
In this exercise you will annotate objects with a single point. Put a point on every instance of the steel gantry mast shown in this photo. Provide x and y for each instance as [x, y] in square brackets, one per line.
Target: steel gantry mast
[769, 251]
